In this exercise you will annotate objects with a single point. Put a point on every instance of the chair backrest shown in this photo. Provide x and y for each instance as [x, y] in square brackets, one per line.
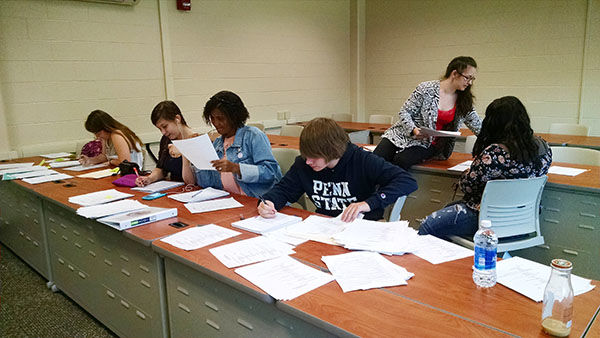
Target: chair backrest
[344, 117]
[285, 157]
[257, 125]
[469, 143]
[392, 212]
[385, 119]
[291, 130]
[360, 137]
[568, 129]
[576, 155]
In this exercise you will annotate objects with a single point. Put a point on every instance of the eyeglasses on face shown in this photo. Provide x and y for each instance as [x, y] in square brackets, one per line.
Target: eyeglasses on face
[468, 78]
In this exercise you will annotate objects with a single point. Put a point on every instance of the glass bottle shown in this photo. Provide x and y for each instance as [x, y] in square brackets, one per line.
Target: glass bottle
[557, 311]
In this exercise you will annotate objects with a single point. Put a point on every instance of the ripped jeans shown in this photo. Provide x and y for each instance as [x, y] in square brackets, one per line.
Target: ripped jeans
[454, 219]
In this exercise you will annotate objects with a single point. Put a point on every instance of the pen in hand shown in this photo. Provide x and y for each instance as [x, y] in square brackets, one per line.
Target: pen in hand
[136, 172]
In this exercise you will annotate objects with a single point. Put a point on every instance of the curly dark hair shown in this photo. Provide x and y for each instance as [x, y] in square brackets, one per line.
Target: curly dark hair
[506, 122]
[231, 105]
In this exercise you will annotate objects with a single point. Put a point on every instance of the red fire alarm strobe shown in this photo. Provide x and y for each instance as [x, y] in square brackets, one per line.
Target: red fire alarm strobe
[184, 5]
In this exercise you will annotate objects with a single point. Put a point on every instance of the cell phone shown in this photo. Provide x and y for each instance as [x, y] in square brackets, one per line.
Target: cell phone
[178, 224]
[153, 196]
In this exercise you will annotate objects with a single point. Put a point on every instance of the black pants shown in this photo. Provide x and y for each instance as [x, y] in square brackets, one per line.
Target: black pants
[405, 158]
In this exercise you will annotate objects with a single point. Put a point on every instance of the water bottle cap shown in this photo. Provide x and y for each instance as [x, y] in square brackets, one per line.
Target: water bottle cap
[561, 263]
[485, 223]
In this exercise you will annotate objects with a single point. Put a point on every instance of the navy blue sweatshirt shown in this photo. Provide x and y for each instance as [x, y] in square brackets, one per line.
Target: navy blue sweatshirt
[358, 176]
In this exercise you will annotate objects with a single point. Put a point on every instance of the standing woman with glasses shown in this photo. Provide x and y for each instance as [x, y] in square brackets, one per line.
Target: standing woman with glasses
[246, 164]
[441, 105]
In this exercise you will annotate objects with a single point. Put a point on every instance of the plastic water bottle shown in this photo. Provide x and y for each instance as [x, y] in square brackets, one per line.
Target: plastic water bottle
[486, 246]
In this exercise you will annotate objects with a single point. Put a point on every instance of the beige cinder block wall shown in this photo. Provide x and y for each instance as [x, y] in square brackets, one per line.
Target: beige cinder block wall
[530, 49]
[59, 60]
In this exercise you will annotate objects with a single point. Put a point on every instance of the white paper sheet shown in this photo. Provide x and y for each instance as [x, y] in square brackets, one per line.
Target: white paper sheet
[99, 197]
[384, 237]
[284, 278]
[200, 236]
[250, 251]
[199, 195]
[567, 171]
[112, 208]
[199, 150]
[438, 133]
[282, 236]
[64, 164]
[212, 205]
[370, 148]
[261, 225]
[56, 155]
[363, 270]
[48, 178]
[530, 278]
[86, 167]
[25, 169]
[15, 165]
[159, 186]
[317, 228]
[98, 174]
[436, 251]
[461, 166]
[29, 174]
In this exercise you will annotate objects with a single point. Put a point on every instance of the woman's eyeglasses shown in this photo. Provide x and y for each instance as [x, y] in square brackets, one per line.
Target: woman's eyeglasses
[468, 78]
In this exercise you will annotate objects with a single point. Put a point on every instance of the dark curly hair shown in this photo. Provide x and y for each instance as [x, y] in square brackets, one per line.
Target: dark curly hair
[230, 105]
[506, 122]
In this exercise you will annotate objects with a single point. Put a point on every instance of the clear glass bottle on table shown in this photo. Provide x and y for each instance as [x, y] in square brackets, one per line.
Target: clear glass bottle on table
[486, 247]
[557, 311]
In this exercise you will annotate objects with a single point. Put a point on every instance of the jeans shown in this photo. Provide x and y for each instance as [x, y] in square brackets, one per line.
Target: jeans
[454, 219]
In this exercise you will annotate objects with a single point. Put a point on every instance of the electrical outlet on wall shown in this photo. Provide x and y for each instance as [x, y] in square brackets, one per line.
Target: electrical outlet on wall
[288, 115]
[281, 115]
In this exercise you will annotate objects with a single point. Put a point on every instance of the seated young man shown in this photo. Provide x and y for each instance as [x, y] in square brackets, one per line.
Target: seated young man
[338, 176]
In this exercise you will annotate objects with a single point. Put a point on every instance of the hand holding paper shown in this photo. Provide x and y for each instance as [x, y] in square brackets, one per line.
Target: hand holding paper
[198, 150]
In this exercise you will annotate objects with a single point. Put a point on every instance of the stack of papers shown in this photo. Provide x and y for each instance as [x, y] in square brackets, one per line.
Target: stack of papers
[139, 217]
[461, 166]
[206, 206]
[317, 228]
[284, 278]
[199, 150]
[100, 173]
[436, 250]
[530, 278]
[362, 270]
[200, 236]
[282, 235]
[22, 169]
[558, 170]
[15, 165]
[159, 186]
[57, 155]
[112, 208]
[47, 178]
[392, 238]
[64, 164]
[199, 195]
[438, 133]
[35, 173]
[98, 197]
[250, 251]
[261, 225]
[86, 167]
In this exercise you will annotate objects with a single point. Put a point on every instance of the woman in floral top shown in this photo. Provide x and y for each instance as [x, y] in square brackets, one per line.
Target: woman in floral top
[505, 148]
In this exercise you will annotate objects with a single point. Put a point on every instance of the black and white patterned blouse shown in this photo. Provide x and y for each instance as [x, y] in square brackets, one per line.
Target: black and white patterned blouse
[421, 110]
[495, 163]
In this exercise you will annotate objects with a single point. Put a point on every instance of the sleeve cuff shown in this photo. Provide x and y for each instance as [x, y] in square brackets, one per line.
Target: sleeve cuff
[249, 173]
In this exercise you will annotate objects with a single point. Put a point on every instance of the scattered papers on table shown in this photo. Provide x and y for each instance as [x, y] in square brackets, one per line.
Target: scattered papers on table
[199, 195]
[363, 270]
[250, 251]
[15, 165]
[159, 186]
[35, 173]
[317, 228]
[98, 197]
[438, 133]
[567, 171]
[392, 238]
[261, 225]
[26, 169]
[86, 167]
[64, 164]
[57, 155]
[436, 251]
[530, 278]
[139, 217]
[284, 278]
[212, 205]
[282, 236]
[199, 150]
[100, 173]
[461, 166]
[112, 208]
[48, 178]
[370, 148]
[200, 236]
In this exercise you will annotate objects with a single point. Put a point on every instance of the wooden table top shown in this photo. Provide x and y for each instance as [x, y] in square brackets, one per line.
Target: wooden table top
[558, 139]
[278, 141]
[377, 128]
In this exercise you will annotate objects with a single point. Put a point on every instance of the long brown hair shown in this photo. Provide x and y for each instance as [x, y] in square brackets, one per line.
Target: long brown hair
[99, 120]
[464, 98]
